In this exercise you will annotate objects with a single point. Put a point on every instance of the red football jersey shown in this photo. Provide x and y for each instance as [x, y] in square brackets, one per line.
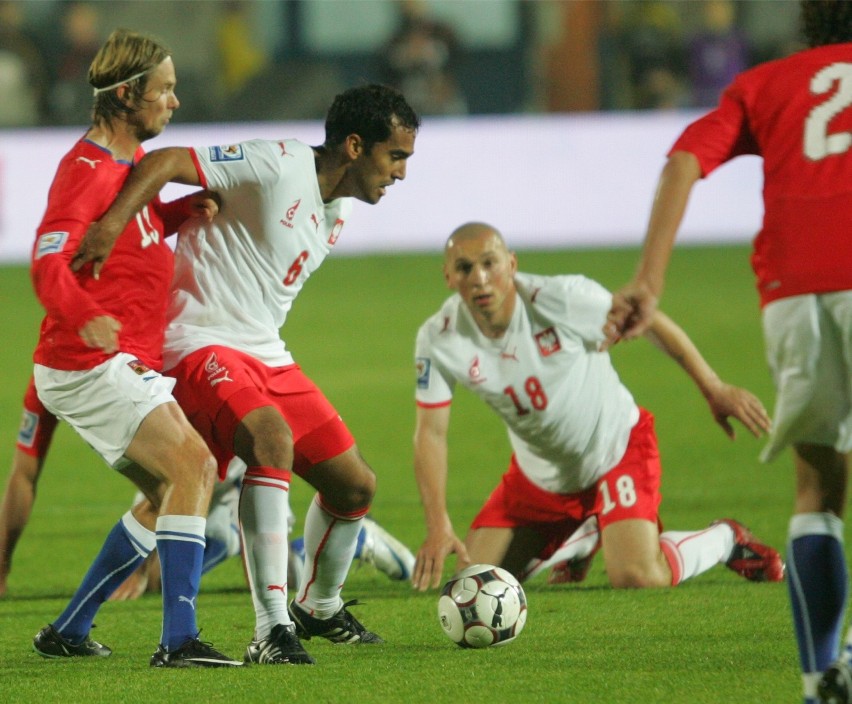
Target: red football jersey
[134, 283]
[795, 113]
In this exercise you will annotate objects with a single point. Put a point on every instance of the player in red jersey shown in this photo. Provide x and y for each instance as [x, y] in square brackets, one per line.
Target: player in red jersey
[100, 348]
[796, 113]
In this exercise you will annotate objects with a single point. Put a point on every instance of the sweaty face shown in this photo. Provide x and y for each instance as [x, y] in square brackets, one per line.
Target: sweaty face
[157, 104]
[479, 267]
[385, 164]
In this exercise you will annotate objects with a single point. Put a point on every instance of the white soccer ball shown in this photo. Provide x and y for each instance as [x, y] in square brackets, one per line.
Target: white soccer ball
[482, 606]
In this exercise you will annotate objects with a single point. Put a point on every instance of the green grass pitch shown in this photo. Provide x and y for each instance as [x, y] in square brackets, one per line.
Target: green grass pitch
[713, 640]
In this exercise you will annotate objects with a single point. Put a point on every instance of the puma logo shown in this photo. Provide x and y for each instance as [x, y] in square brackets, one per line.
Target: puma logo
[280, 587]
[188, 600]
[91, 162]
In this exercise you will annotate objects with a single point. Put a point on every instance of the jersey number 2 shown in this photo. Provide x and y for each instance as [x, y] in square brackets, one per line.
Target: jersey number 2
[818, 142]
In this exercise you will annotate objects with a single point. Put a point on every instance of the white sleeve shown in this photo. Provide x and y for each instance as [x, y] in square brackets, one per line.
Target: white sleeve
[233, 165]
[587, 304]
[433, 387]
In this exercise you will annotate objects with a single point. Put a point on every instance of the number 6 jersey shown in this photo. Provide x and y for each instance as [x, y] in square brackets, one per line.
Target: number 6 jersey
[568, 415]
[272, 231]
[796, 113]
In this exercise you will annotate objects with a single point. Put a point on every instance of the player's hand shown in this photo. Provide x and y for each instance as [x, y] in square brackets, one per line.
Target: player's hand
[429, 566]
[101, 332]
[630, 315]
[95, 246]
[727, 401]
[133, 587]
[204, 205]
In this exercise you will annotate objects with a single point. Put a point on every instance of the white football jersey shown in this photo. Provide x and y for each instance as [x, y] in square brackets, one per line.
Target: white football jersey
[568, 415]
[236, 278]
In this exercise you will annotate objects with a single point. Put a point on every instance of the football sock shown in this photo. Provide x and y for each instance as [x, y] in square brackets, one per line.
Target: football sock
[689, 553]
[264, 510]
[127, 544]
[329, 548]
[817, 583]
[581, 543]
[180, 543]
[222, 532]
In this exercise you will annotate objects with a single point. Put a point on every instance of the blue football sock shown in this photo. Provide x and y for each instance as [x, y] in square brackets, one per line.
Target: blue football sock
[180, 542]
[127, 544]
[817, 582]
[215, 552]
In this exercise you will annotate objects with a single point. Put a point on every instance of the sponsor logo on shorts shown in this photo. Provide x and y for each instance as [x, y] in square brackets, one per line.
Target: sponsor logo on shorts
[233, 152]
[424, 367]
[216, 373]
[50, 243]
[27, 430]
[548, 342]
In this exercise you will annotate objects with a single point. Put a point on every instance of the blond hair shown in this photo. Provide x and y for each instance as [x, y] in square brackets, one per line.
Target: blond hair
[125, 59]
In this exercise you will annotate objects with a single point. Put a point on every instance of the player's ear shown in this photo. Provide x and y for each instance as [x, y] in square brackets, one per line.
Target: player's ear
[354, 146]
[448, 279]
[123, 93]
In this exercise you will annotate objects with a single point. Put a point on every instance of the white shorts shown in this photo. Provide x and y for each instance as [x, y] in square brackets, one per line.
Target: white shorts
[809, 350]
[107, 404]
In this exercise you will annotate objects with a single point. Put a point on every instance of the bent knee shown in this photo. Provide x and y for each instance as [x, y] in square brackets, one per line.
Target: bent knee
[637, 577]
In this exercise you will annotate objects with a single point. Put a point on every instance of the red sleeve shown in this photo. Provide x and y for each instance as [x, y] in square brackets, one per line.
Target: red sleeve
[720, 135]
[74, 202]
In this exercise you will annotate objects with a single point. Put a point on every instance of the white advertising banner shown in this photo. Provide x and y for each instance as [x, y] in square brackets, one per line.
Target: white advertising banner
[545, 181]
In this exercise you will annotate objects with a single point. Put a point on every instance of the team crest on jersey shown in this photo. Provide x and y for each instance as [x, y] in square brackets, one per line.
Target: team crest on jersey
[335, 232]
[424, 367]
[548, 342]
[287, 220]
[50, 243]
[28, 428]
[233, 152]
[474, 372]
[138, 367]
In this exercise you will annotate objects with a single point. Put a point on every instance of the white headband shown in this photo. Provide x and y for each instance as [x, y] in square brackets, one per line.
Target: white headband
[120, 83]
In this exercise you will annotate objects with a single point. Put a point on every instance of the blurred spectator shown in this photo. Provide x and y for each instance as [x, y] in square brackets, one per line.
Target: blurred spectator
[241, 56]
[420, 60]
[716, 53]
[70, 96]
[23, 77]
[652, 41]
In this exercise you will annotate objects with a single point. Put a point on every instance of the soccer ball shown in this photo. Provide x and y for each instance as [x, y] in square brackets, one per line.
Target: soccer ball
[481, 606]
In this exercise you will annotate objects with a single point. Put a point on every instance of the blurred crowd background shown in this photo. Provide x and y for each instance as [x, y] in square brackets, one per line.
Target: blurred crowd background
[264, 60]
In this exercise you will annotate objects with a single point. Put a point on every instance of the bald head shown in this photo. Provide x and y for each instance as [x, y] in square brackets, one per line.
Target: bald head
[474, 231]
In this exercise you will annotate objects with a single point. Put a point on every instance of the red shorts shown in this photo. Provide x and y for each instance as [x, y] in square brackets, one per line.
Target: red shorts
[218, 386]
[37, 425]
[631, 489]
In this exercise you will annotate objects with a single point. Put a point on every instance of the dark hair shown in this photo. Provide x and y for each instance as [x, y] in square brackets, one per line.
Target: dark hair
[826, 21]
[371, 112]
[123, 56]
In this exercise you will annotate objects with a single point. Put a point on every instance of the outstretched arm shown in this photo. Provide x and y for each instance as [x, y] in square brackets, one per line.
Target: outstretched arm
[634, 304]
[146, 179]
[430, 470]
[724, 400]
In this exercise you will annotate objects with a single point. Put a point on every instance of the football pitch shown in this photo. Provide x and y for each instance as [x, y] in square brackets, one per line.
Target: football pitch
[713, 640]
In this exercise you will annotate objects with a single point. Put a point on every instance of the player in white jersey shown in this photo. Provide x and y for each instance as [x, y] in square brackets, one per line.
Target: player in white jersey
[585, 469]
[284, 205]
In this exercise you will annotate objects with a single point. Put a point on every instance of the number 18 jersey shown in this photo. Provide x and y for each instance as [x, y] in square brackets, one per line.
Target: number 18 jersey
[796, 113]
[568, 414]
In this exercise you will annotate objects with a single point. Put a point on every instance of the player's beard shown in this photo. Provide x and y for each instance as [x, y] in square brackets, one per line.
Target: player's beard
[142, 131]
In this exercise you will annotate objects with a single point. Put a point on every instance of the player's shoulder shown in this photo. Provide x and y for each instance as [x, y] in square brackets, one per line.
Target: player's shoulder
[443, 321]
[803, 61]
[539, 288]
